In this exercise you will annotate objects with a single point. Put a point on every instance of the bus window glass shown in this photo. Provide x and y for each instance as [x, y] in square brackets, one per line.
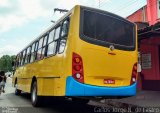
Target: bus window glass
[103, 28]
[57, 31]
[33, 48]
[17, 60]
[64, 34]
[51, 35]
[62, 46]
[32, 57]
[65, 27]
[20, 60]
[51, 49]
[27, 55]
[32, 53]
[40, 43]
[89, 25]
[36, 46]
[43, 53]
[23, 57]
[36, 49]
[45, 40]
[28, 50]
[39, 54]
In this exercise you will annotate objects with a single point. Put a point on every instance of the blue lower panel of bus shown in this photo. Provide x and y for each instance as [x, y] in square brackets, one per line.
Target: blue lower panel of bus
[74, 88]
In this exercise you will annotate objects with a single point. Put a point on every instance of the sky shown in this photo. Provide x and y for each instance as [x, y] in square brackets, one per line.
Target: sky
[21, 21]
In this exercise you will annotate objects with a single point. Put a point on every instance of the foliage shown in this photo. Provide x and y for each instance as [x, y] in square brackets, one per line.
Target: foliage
[6, 62]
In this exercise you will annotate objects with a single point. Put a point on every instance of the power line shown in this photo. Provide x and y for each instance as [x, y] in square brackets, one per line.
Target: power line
[121, 6]
[105, 3]
[99, 1]
[135, 3]
[125, 6]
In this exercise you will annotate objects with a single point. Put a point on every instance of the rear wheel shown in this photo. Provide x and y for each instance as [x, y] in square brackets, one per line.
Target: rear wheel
[36, 100]
[17, 91]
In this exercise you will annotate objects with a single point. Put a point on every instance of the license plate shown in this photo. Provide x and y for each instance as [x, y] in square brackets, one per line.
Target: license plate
[109, 81]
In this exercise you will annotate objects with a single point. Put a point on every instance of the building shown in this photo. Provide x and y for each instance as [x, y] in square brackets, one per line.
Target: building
[148, 21]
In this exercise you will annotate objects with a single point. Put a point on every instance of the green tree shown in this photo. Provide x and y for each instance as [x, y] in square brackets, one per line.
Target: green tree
[6, 62]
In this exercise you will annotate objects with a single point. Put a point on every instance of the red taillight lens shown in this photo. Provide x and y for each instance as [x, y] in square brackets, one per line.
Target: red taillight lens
[77, 60]
[134, 74]
[77, 68]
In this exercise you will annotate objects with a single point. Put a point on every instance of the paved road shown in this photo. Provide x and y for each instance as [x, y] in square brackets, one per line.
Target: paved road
[10, 103]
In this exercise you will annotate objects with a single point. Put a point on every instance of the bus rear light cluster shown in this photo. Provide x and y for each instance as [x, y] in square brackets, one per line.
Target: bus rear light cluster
[134, 74]
[77, 68]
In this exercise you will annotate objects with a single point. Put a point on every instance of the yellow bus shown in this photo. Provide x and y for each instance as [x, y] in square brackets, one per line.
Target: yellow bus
[88, 52]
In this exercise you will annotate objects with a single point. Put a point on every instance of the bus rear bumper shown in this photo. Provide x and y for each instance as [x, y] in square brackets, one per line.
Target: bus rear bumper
[74, 88]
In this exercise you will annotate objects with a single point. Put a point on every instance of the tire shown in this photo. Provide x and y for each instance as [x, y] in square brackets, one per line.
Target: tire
[17, 91]
[35, 99]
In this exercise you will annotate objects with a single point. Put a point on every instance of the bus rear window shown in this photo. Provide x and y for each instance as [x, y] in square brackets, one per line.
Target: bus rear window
[106, 29]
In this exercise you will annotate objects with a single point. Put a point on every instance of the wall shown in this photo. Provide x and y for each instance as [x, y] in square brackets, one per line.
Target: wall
[139, 16]
[150, 66]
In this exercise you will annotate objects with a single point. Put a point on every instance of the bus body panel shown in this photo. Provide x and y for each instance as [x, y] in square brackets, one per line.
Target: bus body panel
[99, 65]
[50, 78]
[74, 88]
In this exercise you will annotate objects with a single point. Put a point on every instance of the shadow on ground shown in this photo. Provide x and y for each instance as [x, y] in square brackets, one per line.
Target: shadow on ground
[61, 105]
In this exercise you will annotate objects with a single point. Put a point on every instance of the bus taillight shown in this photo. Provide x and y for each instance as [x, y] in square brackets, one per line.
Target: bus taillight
[134, 74]
[77, 68]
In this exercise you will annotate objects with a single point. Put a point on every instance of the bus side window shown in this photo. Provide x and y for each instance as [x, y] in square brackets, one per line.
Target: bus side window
[29, 55]
[17, 61]
[23, 57]
[65, 28]
[44, 46]
[57, 32]
[32, 53]
[51, 36]
[20, 59]
[39, 52]
[27, 58]
[36, 49]
[52, 46]
[62, 46]
[64, 34]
